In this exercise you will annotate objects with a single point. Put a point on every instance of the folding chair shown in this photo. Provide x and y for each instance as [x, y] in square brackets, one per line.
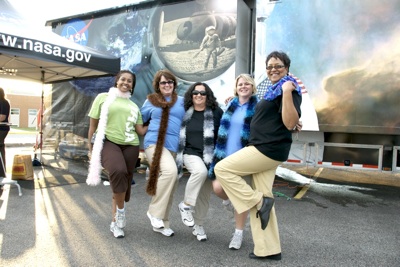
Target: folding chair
[5, 180]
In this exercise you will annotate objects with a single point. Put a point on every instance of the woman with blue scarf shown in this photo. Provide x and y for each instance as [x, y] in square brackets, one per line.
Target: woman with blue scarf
[233, 134]
[269, 144]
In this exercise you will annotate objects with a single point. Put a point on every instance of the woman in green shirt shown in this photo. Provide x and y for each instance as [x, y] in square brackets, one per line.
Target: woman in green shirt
[117, 121]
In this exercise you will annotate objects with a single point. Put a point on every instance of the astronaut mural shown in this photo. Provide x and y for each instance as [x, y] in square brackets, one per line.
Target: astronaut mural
[194, 39]
[199, 47]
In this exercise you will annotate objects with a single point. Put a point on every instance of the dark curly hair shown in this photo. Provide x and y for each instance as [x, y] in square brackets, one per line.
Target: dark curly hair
[279, 55]
[211, 100]
[119, 74]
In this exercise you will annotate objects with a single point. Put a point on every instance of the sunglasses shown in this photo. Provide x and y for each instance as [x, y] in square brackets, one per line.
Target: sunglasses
[195, 92]
[275, 67]
[167, 82]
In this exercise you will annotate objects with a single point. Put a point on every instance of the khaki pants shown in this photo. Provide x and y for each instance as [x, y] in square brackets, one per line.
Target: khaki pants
[161, 202]
[198, 188]
[229, 172]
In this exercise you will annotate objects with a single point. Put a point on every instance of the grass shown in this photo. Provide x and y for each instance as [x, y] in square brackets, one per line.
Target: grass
[22, 130]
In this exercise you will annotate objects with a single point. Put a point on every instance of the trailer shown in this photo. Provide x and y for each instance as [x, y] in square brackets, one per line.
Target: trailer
[346, 54]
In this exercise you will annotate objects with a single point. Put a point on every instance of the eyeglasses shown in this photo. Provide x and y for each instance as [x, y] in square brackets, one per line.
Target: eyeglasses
[195, 92]
[165, 83]
[275, 67]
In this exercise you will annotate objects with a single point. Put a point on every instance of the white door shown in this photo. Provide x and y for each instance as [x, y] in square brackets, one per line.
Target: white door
[14, 117]
[32, 117]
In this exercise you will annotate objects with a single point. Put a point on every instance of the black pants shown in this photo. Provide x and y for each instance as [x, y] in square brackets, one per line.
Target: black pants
[3, 135]
[120, 162]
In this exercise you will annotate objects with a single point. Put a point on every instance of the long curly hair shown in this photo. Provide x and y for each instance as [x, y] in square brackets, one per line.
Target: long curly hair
[211, 100]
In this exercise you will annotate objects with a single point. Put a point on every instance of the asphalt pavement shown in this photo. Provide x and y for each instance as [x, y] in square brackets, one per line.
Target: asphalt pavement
[61, 221]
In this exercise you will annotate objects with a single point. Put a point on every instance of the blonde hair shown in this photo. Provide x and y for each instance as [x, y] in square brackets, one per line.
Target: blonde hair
[248, 79]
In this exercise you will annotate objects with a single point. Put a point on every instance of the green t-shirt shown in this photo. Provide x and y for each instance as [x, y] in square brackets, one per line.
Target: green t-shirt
[123, 115]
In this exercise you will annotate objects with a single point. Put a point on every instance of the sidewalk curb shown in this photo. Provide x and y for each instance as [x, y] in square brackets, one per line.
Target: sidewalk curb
[19, 145]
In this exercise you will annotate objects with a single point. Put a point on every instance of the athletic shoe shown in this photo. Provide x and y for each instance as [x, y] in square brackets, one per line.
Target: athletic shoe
[120, 219]
[186, 214]
[236, 241]
[199, 232]
[155, 222]
[118, 232]
[228, 206]
[164, 231]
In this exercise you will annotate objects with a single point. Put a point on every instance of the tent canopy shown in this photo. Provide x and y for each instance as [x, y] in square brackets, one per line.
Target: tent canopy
[39, 54]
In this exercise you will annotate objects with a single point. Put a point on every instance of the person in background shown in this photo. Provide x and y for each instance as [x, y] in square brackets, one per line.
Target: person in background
[4, 127]
[233, 135]
[163, 111]
[268, 147]
[196, 145]
[117, 121]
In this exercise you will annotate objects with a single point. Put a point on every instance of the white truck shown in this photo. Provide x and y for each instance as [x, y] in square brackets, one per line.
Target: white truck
[346, 53]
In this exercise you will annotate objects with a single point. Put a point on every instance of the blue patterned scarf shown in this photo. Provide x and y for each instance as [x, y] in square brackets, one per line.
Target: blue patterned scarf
[223, 131]
[275, 90]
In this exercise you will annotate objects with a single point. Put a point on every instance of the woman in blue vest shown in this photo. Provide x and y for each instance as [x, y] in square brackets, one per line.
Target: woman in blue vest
[233, 135]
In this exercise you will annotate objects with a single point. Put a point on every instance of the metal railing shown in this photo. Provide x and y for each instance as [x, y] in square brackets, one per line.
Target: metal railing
[344, 165]
[395, 168]
[349, 164]
[301, 161]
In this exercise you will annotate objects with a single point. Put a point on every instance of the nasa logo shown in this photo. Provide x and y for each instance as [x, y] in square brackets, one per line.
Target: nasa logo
[77, 31]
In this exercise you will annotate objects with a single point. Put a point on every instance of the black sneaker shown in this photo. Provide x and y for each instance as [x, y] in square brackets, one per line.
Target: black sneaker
[275, 257]
[265, 210]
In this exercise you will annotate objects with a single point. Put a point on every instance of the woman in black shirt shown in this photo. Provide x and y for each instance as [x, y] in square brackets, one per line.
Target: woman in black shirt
[276, 115]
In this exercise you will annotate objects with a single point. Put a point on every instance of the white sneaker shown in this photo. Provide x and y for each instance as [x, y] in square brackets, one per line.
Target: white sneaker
[164, 231]
[120, 219]
[186, 214]
[236, 241]
[118, 232]
[155, 222]
[199, 232]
